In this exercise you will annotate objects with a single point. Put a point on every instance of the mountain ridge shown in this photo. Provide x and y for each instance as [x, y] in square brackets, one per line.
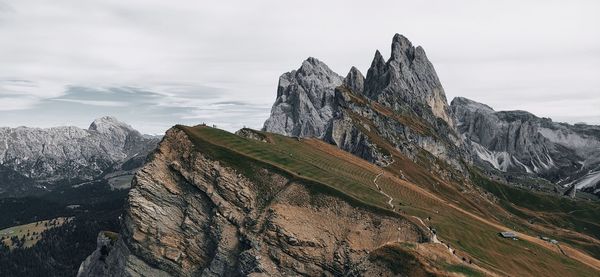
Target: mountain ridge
[520, 142]
[56, 154]
[401, 100]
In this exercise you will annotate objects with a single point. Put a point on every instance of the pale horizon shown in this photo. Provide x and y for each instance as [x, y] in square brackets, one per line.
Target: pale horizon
[153, 64]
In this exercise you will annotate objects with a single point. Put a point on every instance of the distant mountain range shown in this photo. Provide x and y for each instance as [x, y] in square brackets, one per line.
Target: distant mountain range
[518, 142]
[33, 160]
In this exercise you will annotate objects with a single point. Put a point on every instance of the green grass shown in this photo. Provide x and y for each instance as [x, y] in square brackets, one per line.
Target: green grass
[399, 261]
[32, 232]
[324, 170]
[293, 159]
[464, 270]
[582, 217]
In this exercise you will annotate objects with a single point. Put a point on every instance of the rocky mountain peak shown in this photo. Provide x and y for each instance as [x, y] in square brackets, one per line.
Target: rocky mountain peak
[465, 103]
[107, 124]
[313, 65]
[355, 81]
[407, 81]
[405, 85]
[377, 65]
[70, 152]
[401, 47]
[520, 142]
[304, 100]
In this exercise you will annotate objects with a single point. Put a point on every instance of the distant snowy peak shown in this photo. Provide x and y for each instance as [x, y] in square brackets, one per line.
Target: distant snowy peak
[109, 124]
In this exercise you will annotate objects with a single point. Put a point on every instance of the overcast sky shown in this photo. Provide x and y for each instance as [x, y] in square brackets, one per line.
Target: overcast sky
[157, 63]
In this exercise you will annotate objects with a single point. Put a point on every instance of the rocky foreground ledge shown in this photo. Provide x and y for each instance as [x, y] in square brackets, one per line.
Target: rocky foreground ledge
[189, 215]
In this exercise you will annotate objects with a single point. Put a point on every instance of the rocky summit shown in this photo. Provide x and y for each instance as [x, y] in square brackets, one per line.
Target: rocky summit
[400, 100]
[304, 105]
[401, 105]
[407, 81]
[70, 153]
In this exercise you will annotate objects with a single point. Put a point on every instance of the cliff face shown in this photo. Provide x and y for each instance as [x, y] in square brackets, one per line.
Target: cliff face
[188, 215]
[400, 103]
[520, 142]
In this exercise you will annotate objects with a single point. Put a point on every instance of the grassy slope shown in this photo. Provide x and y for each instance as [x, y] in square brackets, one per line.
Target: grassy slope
[546, 212]
[27, 230]
[339, 172]
[550, 210]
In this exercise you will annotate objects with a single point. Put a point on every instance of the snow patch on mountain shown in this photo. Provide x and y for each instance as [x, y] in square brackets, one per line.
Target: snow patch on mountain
[499, 160]
[589, 180]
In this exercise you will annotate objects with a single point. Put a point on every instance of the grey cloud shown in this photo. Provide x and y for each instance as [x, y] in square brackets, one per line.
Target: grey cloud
[184, 61]
[152, 112]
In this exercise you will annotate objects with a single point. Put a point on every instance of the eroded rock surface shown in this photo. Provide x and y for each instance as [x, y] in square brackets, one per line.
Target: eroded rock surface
[188, 215]
[304, 97]
[43, 157]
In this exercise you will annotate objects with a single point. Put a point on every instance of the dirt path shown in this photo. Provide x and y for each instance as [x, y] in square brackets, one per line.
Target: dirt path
[379, 188]
[434, 238]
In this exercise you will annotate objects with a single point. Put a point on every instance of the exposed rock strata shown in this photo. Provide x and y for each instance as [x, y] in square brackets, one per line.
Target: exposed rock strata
[189, 215]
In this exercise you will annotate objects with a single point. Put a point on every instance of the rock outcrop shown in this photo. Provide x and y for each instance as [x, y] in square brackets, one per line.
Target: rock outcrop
[71, 153]
[304, 100]
[190, 215]
[407, 81]
[400, 103]
[520, 142]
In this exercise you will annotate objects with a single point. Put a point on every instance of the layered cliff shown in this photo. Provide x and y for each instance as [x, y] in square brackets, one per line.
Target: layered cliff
[212, 203]
[353, 176]
[191, 214]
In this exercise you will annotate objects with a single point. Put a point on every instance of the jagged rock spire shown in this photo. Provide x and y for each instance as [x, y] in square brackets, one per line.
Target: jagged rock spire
[355, 81]
[407, 80]
[401, 47]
